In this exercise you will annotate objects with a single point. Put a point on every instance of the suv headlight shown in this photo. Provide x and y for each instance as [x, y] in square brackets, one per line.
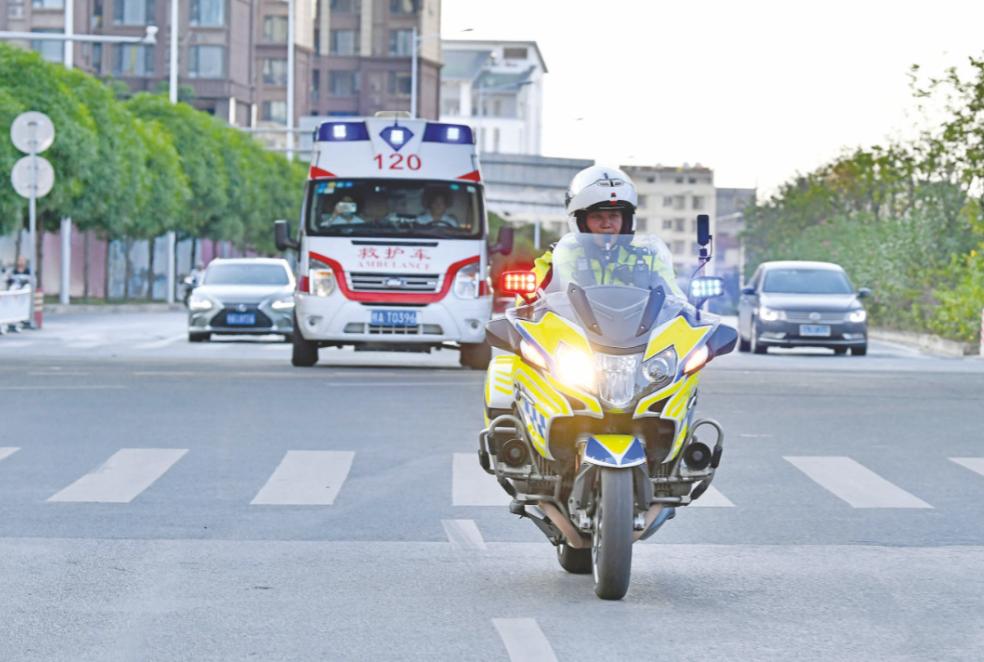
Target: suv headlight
[321, 279]
[769, 315]
[198, 303]
[467, 282]
[283, 303]
[857, 315]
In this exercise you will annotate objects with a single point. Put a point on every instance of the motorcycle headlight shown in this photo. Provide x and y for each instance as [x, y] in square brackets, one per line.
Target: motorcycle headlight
[198, 303]
[322, 280]
[617, 377]
[284, 303]
[769, 315]
[857, 315]
[467, 282]
[661, 368]
[574, 367]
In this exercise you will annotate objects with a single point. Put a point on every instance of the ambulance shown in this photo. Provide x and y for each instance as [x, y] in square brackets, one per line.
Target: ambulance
[393, 245]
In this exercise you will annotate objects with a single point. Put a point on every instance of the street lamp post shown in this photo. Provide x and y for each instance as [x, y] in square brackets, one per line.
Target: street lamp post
[290, 80]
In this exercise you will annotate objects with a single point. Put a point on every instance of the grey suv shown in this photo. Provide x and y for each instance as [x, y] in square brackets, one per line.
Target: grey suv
[802, 304]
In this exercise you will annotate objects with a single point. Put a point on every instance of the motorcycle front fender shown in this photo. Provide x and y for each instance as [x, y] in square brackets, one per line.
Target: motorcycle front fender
[620, 451]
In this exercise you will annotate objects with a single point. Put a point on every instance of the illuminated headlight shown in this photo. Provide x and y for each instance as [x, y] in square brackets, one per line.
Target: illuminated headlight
[617, 377]
[661, 368]
[199, 303]
[467, 282]
[857, 315]
[285, 303]
[574, 367]
[322, 282]
[769, 315]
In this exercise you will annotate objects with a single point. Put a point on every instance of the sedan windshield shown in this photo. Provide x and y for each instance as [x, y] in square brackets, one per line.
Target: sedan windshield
[806, 281]
[246, 274]
[395, 208]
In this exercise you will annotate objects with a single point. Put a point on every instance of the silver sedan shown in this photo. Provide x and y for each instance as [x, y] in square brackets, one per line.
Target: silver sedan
[243, 296]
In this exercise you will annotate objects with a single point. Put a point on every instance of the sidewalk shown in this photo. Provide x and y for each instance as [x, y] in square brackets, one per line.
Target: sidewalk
[77, 309]
[926, 342]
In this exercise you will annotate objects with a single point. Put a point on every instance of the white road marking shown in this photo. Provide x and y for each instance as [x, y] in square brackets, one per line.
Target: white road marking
[524, 640]
[471, 486]
[713, 498]
[126, 474]
[7, 451]
[64, 387]
[163, 342]
[463, 534]
[306, 478]
[975, 464]
[855, 483]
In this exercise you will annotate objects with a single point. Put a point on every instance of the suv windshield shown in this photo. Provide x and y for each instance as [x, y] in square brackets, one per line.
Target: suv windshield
[806, 281]
[246, 274]
[395, 208]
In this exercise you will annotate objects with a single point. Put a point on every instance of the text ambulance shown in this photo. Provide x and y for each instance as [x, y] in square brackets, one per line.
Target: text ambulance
[393, 246]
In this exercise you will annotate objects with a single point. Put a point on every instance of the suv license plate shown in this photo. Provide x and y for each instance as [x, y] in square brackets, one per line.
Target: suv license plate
[393, 318]
[814, 330]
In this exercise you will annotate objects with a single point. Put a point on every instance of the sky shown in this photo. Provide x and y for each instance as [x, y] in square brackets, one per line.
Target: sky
[756, 90]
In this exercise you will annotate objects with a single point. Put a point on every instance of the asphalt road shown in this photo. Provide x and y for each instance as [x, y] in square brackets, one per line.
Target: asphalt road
[167, 500]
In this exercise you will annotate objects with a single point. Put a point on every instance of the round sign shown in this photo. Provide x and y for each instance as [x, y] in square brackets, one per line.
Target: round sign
[32, 132]
[32, 173]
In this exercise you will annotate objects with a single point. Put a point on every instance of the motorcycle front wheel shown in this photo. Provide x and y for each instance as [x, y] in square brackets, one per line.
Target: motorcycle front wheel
[611, 545]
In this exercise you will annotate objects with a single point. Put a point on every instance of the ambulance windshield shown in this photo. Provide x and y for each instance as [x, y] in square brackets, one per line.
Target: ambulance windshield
[394, 208]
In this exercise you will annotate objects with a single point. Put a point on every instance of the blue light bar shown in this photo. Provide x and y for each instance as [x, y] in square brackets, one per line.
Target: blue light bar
[342, 131]
[457, 134]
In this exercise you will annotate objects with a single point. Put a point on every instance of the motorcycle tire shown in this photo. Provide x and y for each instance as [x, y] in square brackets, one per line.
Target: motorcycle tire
[574, 561]
[611, 544]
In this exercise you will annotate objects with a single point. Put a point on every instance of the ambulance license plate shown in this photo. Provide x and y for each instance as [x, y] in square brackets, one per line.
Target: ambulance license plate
[393, 318]
[821, 330]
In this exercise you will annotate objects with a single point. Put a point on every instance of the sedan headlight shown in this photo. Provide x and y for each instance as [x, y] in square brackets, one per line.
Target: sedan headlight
[284, 303]
[857, 315]
[198, 303]
[769, 315]
[322, 281]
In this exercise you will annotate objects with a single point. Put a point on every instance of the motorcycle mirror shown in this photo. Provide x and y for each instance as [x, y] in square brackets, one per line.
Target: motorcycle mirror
[281, 236]
[864, 293]
[703, 229]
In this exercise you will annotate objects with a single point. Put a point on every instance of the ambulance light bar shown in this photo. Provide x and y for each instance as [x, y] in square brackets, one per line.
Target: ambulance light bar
[342, 131]
[457, 134]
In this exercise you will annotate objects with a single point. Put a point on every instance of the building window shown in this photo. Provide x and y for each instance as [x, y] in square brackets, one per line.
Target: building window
[97, 58]
[401, 42]
[343, 83]
[698, 202]
[691, 180]
[206, 62]
[403, 6]
[681, 225]
[679, 202]
[642, 201]
[642, 224]
[315, 85]
[47, 4]
[678, 245]
[133, 60]
[344, 42]
[49, 49]
[667, 200]
[341, 6]
[275, 29]
[450, 107]
[275, 71]
[515, 53]
[667, 223]
[133, 12]
[274, 111]
[209, 13]
[399, 84]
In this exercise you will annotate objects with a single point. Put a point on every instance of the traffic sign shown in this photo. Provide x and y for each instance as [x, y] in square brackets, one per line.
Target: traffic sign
[32, 132]
[32, 175]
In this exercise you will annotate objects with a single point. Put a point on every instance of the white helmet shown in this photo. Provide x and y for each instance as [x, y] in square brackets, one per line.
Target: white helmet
[601, 187]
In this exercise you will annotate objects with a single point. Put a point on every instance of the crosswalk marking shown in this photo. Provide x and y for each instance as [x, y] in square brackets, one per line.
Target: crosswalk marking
[126, 474]
[306, 478]
[463, 534]
[471, 486]
[855, 483]
[7, 451]
[713, 498]
[524, 640]
[975, 464]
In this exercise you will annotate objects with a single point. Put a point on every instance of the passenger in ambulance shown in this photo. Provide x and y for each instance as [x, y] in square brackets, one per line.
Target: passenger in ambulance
[345, 214]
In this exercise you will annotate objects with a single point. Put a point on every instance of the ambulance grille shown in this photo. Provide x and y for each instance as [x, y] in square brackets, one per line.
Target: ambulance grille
[374, 282]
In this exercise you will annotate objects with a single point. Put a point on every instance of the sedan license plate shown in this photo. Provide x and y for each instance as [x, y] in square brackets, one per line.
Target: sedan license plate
[815, 330]
[241, 319]
[393, 318]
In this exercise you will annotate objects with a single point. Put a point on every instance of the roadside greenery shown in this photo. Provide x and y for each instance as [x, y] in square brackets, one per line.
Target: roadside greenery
[905, 219]
[137, 168]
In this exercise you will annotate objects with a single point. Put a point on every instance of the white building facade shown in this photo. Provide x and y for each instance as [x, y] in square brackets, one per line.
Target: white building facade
[497, 87]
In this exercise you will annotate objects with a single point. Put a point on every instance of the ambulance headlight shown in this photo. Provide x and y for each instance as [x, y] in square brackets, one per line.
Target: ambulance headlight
[468, 282]
[322, 281]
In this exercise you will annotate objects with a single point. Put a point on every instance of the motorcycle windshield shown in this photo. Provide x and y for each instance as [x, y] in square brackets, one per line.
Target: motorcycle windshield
[616, 287]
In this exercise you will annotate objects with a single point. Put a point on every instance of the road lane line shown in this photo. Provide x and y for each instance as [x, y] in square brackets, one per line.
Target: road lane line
[713, 498]
[306, 478]
[471, 486]
[63, 387]
[975, 464]
[163, 342]
[854, 483]
[7, 451]
[524, 640]
[120, 479]
[463, 534]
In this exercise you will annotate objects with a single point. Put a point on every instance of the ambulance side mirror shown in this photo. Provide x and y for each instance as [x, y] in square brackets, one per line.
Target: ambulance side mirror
[281, 236]
[504, 244]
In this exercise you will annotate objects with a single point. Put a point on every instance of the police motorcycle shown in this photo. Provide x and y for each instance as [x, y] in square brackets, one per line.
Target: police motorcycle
[591, 421]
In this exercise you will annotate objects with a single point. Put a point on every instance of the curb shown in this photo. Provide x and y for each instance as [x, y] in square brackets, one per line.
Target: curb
[927, 342]
[83, 309]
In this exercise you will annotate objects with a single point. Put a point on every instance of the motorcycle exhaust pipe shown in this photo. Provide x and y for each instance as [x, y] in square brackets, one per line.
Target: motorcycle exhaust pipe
[656, 517]
[574, 537]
